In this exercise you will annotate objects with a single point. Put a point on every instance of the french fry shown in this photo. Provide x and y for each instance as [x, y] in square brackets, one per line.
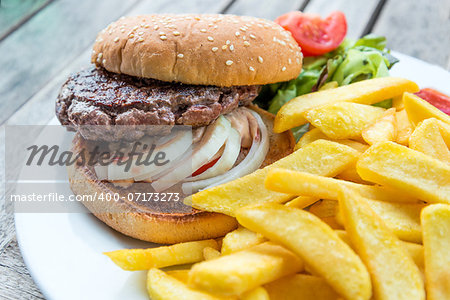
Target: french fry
[402, 218]
[259, 293]
[305, 184]
[302, 232]
[427, 139]
[419, 110]
[161, 286]
[350, 174]
[444, 128]
[436, 242]
[343, 120]
[240, 239]
[320, 157]
[181, 275]
[301, 287]
[326, 210]
[407, 170]
[414, 250]
[384, 129]
[397, 102]
[245, 270]
[393, 272]
[210, 253]
[404, 127]
[364, 92]
[309, 137]
[301, 202]
[164, 256]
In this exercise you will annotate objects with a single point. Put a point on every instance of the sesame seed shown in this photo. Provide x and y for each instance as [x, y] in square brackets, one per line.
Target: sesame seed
[100, 55]
[290, 61]
[156, 27]
[298, 61]
[122, 30]
[232, 47]
[140, 40]
[163, 37]
[104, 61]
[252, 36]
[140, 33]
[197, 18]
[176, 33]
[131, 35]
[237, 33]
[162, 33]
[116, 39]
[203, 30]
[260, 59]
[224, 47]
[229, 62]
[146, 26]
[251, 68]
[180, 55]
[135, 27]
[210, 38]
[215, 26]
[210, 24]
[246, 43]
[283, 69]
[228, 42]
[214, 49]
[243, 29]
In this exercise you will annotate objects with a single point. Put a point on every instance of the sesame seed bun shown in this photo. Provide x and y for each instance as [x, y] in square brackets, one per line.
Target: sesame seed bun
[221, 50]
[150, 224]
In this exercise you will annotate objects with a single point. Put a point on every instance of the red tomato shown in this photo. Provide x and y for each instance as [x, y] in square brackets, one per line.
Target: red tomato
[316, 36]
[205, 167]
[436, 98]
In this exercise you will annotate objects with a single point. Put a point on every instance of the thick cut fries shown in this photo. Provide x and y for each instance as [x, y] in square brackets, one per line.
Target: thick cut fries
[145, 259]
[240, 239]
[326, 210]
[394, 274]
[343, 120]
[210, 253]
[302, 232]
[244, 270]
[407, 170]
[384, 129]
[404, 127]
[419, 110]
[320, 157]
[427, 139]
[436, 242]
[305, 184]
[365, 92]
[161, 286]
[259, 293]
[301, 202]
[301, 287]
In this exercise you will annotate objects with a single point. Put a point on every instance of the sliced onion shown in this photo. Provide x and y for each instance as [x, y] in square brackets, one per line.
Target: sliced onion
[251, 162]
[101, 171]
[226, 161]
[211, 142]
[172, 147]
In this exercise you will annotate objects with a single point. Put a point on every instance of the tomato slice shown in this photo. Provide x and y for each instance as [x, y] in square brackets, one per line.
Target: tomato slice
[436, 98]
[205, 167]
[316, 36]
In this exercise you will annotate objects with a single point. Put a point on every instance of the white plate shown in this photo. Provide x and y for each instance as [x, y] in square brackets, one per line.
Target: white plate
[63, 252]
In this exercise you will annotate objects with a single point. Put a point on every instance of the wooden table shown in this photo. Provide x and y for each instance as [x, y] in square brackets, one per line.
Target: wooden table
[43, 41]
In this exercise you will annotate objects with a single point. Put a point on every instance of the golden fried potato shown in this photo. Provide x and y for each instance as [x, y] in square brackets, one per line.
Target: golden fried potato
[393, 272]
[404, 127]
[259, 293]
[301, 202]
[343, 120]
[320, 157]
[309, 137]
[419, 110]
[407, 170]
[364, 92]
[350, 174]
[210, 253]
[427, 139]
[402, 218]
[384, 129]
[240, 239]
[161, 286]
[301, 287]
[305, 184]
[164, 256]
[326, 210]
[181, 275]
[436, 242]
[315, 242]
[244, 270]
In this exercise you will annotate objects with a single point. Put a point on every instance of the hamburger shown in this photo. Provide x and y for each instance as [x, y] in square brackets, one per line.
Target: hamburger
[152, 74]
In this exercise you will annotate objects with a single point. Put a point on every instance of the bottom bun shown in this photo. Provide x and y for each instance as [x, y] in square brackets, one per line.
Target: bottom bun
[163, 222]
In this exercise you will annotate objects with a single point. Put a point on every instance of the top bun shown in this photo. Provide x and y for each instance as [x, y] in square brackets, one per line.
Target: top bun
[221, 50]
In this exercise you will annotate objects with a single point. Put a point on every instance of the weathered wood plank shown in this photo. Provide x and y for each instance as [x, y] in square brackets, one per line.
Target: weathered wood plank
[13, 13]
[267, 9]
[15, 281]
[357, 12]
[417, 28]
[35, 52]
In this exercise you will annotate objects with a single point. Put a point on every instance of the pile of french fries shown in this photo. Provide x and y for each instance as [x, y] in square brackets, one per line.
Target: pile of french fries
[361, 209]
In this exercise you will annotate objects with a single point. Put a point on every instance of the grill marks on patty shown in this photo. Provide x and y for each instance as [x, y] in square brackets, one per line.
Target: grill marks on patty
[98, 97]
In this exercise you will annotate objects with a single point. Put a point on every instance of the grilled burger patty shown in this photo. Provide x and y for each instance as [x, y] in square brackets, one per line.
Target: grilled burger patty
[97, 97]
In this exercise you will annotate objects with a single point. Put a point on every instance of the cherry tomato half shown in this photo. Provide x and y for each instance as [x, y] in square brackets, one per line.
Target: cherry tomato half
[436, 98]
[316, 36]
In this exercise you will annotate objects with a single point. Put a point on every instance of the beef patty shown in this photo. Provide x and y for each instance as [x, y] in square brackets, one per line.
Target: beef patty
[98, 97]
